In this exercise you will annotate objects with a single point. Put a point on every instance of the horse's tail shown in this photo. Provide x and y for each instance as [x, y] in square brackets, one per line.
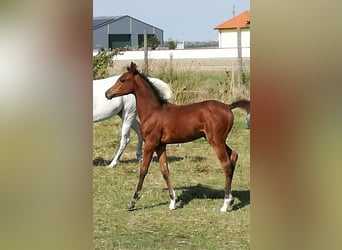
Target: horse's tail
[243, 104]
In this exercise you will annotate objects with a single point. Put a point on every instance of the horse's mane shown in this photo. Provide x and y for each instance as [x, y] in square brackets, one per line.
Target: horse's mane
[156, 91]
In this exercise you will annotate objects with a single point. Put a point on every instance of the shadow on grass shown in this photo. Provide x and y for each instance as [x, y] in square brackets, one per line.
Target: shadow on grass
[99, 161]
[149, 207]
[205, 192]
[199, 191]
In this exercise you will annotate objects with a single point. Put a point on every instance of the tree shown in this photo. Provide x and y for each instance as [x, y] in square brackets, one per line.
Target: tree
[153, 42]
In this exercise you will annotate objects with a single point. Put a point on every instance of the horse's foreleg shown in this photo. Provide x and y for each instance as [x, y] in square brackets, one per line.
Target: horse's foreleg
[136, 128]
[161, 152]
[228, 159]
[125, 137]
[148, 152]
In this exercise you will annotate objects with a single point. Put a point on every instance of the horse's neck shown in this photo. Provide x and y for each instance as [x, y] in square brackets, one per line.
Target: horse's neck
[147, 102]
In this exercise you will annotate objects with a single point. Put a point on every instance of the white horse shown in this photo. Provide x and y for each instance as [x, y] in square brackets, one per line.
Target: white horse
[125, 107]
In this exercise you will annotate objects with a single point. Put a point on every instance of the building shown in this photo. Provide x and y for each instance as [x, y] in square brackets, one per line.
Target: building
[228, 31]
[121, 31]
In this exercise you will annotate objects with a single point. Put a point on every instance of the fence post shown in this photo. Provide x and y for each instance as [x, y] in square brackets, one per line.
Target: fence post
[145, 53]
[239, 50]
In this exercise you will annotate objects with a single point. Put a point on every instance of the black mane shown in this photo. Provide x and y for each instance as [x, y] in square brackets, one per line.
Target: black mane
[133, 69]
[155, 90]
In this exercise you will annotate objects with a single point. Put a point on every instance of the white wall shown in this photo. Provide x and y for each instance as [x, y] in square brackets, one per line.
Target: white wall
[228, 38]
[245, 38]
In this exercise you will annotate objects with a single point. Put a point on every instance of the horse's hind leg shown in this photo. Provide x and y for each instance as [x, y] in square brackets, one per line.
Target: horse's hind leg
[228, 159]
[136, 128]
[161, 152]
[229, 199]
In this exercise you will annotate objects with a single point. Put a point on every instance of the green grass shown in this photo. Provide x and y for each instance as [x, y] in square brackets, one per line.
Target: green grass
[197, 223]
[195, 172]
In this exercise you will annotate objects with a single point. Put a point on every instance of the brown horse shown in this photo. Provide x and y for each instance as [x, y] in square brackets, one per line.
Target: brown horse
[164, 123]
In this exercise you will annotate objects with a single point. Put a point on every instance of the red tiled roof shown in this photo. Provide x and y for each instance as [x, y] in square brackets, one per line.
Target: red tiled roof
[240, 21]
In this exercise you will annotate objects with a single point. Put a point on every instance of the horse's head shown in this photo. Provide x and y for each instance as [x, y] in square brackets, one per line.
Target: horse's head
[125, 84]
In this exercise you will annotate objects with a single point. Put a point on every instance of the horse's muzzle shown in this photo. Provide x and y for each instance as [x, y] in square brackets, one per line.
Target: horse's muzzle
[108, 95]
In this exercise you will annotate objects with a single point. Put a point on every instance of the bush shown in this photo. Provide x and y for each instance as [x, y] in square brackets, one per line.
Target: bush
[245, 79]
[171, 44]
[153, 42]
[102, 61]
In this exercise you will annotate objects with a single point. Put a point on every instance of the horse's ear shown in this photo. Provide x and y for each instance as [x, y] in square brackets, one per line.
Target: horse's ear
[133, 68]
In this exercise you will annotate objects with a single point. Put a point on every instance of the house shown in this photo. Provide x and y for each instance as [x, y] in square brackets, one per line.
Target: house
[229, 30]
[121, 31]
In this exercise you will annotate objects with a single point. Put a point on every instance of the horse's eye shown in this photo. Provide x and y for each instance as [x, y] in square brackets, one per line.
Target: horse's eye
[122, 79]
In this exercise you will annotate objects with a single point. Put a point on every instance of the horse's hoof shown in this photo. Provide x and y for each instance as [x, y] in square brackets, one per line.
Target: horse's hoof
[112, 165]
[173, 199]
[131, 206]
[227, 206]
[230, 206]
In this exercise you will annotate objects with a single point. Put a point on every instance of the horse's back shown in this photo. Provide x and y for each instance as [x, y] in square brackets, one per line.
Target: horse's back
[182, 123]
[100, 86]
[204, 108]
[103, 108]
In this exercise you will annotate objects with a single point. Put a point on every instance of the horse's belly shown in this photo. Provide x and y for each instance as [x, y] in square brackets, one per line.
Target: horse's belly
[180, 136]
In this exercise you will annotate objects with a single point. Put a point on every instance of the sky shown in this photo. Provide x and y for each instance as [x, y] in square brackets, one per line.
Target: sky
[181, 20]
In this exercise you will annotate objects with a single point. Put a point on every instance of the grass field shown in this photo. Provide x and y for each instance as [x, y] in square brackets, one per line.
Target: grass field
[197, 222]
